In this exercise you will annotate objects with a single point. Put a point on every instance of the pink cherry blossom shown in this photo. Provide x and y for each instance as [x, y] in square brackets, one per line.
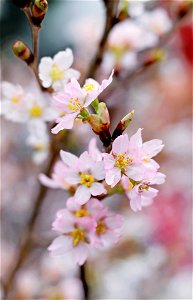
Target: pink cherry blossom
[130, 157]
[75, 99]
[107, 230]
[91, 209]
[86, 173]
[140, 192]
[74, 238]
[57, 179]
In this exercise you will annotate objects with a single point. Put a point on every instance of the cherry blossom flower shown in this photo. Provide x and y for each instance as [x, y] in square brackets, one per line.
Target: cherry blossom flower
[91, 209]
[39, 140]
[60, 170]
[86, 173]
[156, 21]
[74, 238]
[56, 72]
[130, 157]
[107, 230]
[75, 99]
[140, 192]
[12, 104]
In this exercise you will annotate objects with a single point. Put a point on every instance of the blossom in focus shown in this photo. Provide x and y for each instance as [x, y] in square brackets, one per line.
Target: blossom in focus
[86, 173]
[74, 238]
[39, 140]
[75, 99]
[107, 230]
[93, 208]
[12, 102]
[60, 170]
[56, 72]
[130, 157]
[140, 193]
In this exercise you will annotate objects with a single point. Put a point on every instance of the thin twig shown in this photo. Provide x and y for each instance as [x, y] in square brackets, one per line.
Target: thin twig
[27, 244]
[109, 23]
[84, 281]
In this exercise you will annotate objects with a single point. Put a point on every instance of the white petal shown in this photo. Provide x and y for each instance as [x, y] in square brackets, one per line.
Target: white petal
[69, 159]
[97, 189]
[82, 194]
[64, 59]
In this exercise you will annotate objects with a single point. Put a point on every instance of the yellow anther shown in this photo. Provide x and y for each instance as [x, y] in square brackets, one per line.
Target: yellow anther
[86, 179]
[74, 104]
[15, 99]
[78, 236]
[39, 147]
[89, 87]
[143, 187]
[146, 159]
[36, 111]
[56, 73]
[82, 213]
[122, 161]
[101, 228]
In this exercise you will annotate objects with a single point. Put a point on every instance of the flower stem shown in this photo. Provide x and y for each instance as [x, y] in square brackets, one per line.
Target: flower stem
[84, 282]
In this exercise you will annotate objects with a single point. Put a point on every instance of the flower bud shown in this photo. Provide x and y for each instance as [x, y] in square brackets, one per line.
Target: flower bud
[183, 8]
[122, 125]
[22, 51]
[39, 9]
[100, 124]
[21, 3]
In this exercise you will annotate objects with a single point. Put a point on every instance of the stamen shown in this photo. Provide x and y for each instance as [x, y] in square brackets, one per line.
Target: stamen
[86, 179]
[56, 73]
[123, 161]
[89, 87]
[36, 111]
[74, 104]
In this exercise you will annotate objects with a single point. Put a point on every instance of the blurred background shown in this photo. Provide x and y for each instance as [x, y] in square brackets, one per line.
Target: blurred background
[153, 260]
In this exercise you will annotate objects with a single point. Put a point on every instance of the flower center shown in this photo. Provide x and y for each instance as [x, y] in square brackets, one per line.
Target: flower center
[39, 147]
[74, 104]
[36, 111]
[82, 213]
[78, 236]
[86, 179]
[56, 73]
[122, 161]
[143, 187]
[146, 159]
[15, 99]
[101, 228]
[89, 87]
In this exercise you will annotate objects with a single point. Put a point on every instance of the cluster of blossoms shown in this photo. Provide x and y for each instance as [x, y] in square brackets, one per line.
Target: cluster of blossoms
[86, 222]
[36, 109]
[143, 30]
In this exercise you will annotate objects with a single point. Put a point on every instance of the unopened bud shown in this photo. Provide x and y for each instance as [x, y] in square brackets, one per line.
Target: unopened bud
[100, 124]
[22, 51]
[39, 9]
[21, 3]
[183, 8]
[154, 57]
[122, 125]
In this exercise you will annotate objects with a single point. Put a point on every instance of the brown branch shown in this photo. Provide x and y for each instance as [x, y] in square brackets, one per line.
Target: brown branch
[84, 281]
[109, 23]
[35, 33]
[27, 243]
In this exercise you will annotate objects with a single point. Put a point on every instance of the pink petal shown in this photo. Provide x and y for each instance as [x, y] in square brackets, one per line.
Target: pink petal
[153, 147]
[114, 221]
[159, 178]
[109, 161]
[69, 159]
[98, 170]
[85, 162]
[66, 122]
[120, 144]
[106, 82]
[113, 176]
[72, 205]
[135, 172]
[72, 177]
[48, 182]
[93, 150]
[63, 222]
[97, 189]
[81, 253]
[135, 203]
[60, 245]
[82, 194]
[136, 139]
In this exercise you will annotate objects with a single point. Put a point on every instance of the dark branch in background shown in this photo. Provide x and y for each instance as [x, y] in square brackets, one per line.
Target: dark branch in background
[111, 20]
[26, 244]
[84, 281]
